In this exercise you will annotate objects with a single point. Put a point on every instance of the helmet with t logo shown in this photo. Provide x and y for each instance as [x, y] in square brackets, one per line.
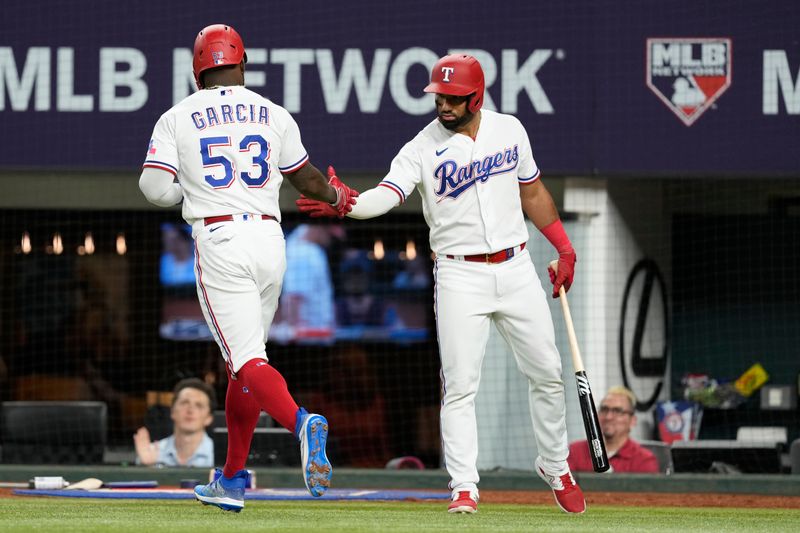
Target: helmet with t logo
[458, 75]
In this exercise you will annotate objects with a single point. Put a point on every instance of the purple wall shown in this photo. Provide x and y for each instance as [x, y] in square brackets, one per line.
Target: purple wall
[719, 96]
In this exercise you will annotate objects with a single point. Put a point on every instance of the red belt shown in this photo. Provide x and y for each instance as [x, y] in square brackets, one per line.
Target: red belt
[229, 218]
[497, 257]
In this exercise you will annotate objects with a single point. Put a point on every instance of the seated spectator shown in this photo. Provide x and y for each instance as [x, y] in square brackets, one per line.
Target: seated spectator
[193, 403]
[617, 415]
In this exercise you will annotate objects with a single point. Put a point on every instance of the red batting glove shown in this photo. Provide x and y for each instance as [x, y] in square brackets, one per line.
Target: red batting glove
[565, 271]
[316, 208]
[565, 268]
[345, 196]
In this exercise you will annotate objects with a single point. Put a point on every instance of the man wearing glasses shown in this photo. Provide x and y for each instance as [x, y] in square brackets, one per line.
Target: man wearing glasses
[617, 418]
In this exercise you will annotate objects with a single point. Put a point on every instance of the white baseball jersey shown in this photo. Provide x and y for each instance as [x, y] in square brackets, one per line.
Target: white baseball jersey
[469, 188]
[470, 192]
[227, 146]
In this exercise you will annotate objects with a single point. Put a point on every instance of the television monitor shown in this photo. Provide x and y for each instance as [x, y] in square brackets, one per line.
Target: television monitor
[713, 455]
[346, 281]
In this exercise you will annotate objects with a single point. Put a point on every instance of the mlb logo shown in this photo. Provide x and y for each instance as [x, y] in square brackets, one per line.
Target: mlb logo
[151, 148]
[689, 74]
[217, 57]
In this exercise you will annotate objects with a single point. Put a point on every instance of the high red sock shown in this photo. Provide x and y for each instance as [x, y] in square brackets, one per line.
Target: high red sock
[270, 391]
[241, 414]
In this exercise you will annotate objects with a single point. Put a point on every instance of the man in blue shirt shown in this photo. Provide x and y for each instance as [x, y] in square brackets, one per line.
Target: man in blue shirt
[307, 304]
[193, 402]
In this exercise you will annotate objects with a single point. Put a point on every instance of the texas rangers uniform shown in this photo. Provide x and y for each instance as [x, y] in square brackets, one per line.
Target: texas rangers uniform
[228, 146]
[471, 200]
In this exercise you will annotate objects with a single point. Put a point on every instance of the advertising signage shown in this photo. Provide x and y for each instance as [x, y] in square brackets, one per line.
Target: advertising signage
[664, 89]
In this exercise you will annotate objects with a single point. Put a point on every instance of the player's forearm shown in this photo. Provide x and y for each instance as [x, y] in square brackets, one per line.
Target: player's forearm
[310, 182]
[159, 188]
[171, 196]
[538, 204]
[373, 203]
[555, 233]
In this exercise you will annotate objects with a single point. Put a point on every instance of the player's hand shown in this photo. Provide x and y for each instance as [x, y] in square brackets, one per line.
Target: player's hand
[565, 271]
[316, 208]
[345, 196]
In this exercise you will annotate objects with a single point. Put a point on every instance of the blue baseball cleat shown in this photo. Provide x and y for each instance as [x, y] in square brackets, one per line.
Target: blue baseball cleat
[313, 434]
[225, 493]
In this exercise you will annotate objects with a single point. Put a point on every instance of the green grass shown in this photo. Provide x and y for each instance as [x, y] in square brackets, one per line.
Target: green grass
[150, 516]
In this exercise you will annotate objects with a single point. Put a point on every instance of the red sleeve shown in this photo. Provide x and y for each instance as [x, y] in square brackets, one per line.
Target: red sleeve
[579, 459]
[647, 462]
[637, 459]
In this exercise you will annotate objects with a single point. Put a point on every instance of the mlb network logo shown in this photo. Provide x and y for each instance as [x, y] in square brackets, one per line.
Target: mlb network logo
[689, 74]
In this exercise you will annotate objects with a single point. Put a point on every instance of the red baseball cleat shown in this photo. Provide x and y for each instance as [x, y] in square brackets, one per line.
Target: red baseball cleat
[568, 494]
[463, 502]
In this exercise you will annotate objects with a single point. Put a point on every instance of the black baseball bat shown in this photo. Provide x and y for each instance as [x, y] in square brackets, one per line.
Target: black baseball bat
[597, 447]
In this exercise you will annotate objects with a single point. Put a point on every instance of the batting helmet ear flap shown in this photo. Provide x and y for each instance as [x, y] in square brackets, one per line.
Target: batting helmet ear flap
[475, 102]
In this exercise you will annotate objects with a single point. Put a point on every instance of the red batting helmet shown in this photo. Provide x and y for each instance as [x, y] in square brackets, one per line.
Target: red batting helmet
[458, 75]
[216, 46]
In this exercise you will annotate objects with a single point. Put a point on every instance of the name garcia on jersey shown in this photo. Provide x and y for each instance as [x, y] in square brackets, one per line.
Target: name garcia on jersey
[452, 180]
[230, 114]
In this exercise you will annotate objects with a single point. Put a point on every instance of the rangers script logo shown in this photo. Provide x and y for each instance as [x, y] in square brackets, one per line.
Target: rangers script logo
[689, 74]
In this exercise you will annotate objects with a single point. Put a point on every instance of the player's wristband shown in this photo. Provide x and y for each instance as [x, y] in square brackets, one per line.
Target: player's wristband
[557, 236]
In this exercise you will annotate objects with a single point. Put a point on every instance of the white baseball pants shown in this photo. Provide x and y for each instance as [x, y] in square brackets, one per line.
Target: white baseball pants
[239, 266]
[467, 297]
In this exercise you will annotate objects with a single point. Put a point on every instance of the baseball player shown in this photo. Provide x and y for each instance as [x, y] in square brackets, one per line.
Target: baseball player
[224, 151]
[475, 171]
